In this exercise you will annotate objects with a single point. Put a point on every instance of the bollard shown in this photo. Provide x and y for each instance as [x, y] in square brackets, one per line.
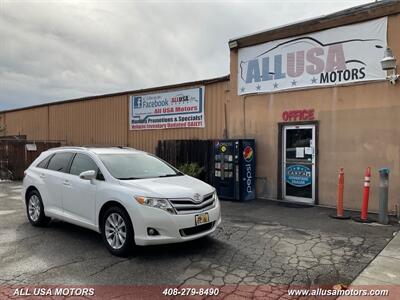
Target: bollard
[339, 205]
[383, 196]
[364, 208]
[367, 182]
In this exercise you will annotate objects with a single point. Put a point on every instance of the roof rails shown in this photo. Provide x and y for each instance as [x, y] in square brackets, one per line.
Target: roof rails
[108, 146]
[96, 146]
[71, 147]
[123, 147]
[87, 147]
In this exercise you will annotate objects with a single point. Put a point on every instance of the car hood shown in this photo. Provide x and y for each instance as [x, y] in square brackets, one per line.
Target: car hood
[169, 187]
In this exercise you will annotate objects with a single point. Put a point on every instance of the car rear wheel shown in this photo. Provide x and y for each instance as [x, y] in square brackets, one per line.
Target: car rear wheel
[35, 209]
[117, 231]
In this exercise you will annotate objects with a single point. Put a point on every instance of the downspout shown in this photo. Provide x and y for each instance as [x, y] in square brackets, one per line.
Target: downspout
[48, 122]
[244, 116]
[128, 125]
[226, 123]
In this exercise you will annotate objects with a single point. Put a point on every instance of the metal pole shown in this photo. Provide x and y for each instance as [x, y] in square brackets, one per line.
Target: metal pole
[383, 195]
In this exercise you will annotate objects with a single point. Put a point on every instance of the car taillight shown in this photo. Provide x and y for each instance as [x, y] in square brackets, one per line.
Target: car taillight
[24, 174]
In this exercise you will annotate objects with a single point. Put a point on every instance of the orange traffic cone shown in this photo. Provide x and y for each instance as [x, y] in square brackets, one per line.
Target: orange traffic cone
[339, 206]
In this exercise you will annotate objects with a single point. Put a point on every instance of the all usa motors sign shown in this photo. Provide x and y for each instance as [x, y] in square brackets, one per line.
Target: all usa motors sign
[339, 55]
[177, 109]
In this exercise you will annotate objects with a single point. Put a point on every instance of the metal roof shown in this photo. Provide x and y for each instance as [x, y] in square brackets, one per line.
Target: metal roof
[152, 89]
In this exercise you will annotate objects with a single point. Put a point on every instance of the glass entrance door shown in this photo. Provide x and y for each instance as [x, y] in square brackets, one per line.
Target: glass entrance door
[298, 163]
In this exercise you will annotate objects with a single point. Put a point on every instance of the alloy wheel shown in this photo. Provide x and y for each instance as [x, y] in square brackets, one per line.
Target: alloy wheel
[34, 208]
[115, 231]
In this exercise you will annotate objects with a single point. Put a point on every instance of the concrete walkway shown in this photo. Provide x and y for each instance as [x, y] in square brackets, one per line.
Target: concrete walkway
[385, 268]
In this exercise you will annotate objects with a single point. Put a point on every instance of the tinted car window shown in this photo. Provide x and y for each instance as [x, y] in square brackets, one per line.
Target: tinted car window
[82, 163]
[43, 164]
[60, 162]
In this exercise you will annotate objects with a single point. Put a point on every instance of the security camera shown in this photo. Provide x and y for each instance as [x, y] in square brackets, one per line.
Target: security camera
[388, 64]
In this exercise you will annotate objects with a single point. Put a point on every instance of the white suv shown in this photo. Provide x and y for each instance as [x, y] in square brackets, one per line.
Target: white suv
[129, 196]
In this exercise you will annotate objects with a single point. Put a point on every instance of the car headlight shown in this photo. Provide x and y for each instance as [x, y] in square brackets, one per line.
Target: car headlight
[215, 196]
[157, 203]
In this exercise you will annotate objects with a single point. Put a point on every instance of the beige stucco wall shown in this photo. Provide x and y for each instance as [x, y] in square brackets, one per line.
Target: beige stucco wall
[358, 127]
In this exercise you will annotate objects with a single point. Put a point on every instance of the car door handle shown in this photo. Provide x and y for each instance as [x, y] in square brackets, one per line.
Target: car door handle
[66, 183]
[42, 176]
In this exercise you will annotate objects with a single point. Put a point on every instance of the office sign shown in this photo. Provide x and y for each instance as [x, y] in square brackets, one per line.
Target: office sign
[341, 55]
[298, 115]
[177, 109]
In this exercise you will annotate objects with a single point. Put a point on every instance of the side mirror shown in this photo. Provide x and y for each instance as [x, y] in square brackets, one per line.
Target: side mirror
[88, 175]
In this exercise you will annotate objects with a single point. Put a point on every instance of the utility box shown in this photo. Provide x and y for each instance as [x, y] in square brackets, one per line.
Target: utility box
[235, 169]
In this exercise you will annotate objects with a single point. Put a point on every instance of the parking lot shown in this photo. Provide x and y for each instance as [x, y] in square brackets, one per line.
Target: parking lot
[259, 242]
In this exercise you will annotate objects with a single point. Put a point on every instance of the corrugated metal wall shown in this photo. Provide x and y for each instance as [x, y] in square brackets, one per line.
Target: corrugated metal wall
[104, 121]
[31, 122]
[2, 124]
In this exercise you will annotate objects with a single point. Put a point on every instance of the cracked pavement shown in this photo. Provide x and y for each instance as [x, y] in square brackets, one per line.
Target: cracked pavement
[258, 243]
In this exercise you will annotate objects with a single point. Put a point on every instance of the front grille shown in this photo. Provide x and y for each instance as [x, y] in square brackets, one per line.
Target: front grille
[188, 206]
[196, 229]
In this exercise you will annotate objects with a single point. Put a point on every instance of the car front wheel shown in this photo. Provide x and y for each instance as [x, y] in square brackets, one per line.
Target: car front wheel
[117, 231]
[35, 209]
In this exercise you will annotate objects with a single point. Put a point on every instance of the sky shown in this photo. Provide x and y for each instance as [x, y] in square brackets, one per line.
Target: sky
[59, 50]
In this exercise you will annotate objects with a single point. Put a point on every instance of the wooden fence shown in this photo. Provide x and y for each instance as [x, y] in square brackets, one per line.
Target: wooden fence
[179, 152]
[15, 158]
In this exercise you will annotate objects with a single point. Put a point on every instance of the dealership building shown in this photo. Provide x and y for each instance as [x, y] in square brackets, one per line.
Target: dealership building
[312, 94]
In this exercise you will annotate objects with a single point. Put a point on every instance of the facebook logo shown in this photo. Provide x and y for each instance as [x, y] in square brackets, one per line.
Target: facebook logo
[137, 102]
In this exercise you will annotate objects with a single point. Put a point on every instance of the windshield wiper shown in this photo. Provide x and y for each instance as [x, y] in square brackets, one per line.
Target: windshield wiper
[128, 178]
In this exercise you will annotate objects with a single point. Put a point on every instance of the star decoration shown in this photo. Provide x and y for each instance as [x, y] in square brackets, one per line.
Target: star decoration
[294, 82]
[314, 80]
[258, 87]
[276, 85]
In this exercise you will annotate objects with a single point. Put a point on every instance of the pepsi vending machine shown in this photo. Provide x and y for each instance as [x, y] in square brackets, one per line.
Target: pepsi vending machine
[235, 169]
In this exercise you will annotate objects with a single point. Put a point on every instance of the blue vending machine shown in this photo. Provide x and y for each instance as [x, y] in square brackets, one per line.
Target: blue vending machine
[235, 169]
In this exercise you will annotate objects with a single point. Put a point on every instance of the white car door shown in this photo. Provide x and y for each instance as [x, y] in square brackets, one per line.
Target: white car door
[79, 195]
[53, 177]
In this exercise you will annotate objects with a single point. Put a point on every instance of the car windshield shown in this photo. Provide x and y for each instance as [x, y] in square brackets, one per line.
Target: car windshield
[137, 166]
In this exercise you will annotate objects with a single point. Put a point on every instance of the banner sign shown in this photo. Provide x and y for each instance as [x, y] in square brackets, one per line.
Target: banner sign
[177, 109]
[298, 175]
[339, 55]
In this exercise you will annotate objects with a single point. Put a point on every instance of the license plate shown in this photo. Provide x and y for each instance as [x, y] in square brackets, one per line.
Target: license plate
[201, 219]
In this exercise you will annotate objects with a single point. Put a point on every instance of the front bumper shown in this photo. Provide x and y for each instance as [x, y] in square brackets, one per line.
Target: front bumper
[169, 225]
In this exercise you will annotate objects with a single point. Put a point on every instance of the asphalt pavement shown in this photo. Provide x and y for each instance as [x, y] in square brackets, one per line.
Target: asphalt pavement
[259, 242]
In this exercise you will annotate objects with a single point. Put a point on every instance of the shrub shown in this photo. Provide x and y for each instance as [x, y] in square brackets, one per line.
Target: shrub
[191, 169]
